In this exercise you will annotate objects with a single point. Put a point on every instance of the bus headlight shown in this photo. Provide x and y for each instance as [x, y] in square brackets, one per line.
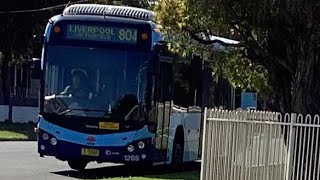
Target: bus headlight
[45, 136]
[141, 145]
[130, 148]
[53, 141]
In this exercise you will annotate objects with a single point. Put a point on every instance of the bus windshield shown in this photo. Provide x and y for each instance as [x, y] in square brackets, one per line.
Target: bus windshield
[94, 82]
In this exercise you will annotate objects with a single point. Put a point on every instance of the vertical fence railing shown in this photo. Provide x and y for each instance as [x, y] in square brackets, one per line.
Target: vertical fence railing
[253, 145]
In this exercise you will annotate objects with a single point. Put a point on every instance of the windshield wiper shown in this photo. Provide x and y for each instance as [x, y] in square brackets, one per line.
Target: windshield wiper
[86, 110]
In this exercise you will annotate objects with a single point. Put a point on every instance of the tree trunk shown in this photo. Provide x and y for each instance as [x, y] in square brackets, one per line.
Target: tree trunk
[306, 82]
[280, 79]
[7, 56]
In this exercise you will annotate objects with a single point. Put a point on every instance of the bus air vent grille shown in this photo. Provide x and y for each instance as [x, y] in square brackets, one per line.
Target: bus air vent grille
[109, 10]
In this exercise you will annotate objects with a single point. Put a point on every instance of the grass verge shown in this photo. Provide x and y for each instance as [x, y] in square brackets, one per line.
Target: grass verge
[17, 132]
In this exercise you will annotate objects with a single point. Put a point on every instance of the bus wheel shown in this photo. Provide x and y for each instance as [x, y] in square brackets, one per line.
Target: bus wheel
[177, 156]
[77, 165]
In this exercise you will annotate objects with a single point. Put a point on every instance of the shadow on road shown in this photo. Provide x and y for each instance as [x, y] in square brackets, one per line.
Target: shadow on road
[124, 171]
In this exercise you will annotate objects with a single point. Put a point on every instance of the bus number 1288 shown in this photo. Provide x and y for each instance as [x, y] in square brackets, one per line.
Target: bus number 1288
[131, 157]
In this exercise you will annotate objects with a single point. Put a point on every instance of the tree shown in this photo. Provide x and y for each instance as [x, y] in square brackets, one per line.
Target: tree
[14, 37]
[280, 36]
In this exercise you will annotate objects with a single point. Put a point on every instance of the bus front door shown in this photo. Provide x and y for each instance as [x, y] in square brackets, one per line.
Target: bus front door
[165, 87]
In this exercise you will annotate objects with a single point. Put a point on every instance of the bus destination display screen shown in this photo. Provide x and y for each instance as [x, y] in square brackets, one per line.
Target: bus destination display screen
[101, 33]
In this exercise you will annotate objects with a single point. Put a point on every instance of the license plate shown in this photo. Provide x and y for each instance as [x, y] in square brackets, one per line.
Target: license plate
[89, 152]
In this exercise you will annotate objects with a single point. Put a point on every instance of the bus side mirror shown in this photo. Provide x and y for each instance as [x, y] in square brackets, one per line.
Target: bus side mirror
[152, 126]
[37, 47]
[35, 68]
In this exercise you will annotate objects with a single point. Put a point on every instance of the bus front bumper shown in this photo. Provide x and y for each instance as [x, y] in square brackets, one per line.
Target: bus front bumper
[64, 150]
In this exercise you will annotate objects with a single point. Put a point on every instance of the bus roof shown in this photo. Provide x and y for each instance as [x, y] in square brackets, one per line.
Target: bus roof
[109, 10]
[96, 18]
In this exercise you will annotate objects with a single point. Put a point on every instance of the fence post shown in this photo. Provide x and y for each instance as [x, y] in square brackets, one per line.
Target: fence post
[10, 109]
[204, 152]
[291, 154]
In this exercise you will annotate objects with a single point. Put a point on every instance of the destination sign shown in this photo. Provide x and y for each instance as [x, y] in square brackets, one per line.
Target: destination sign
[101, 33]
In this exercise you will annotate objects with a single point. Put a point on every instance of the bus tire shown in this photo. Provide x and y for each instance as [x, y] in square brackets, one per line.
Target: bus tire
[177, 155]
[77, 164]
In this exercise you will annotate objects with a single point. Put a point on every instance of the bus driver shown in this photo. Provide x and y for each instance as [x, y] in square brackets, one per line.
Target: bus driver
[78, 90]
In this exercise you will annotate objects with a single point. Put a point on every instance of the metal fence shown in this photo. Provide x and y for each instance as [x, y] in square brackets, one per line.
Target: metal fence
[24, 92]
[253, 145]
[21, 96]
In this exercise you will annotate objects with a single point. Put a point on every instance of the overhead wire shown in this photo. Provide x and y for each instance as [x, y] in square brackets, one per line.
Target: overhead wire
[42, 9]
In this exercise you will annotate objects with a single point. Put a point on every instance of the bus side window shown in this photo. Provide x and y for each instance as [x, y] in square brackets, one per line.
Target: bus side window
[165, 81]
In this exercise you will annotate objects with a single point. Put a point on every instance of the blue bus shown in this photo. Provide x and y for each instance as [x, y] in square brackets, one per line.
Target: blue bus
[107, 91]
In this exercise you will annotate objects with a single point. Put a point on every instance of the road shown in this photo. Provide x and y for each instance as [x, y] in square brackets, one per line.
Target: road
[20, 161]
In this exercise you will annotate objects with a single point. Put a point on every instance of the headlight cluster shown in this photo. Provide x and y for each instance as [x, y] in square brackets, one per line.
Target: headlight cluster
[138, 145]
[45, 136]
[53, 141]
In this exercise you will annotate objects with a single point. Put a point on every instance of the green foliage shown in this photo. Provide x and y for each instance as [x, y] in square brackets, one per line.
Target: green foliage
[183, 20]
[242, 73]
